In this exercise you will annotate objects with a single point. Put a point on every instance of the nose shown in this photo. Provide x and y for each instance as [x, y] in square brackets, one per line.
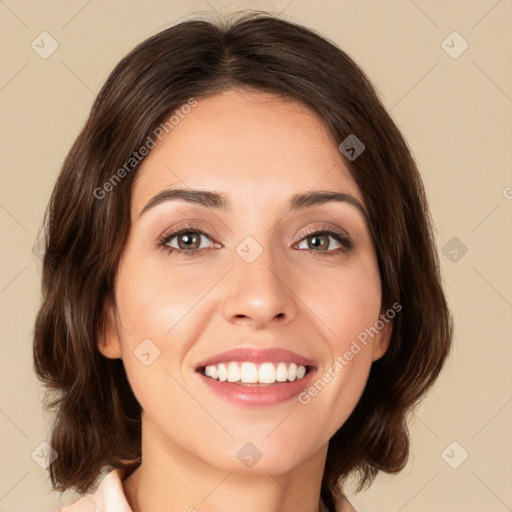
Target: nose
[259, 293]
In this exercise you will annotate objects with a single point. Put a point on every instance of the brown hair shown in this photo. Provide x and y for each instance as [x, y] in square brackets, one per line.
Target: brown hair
[98, 419]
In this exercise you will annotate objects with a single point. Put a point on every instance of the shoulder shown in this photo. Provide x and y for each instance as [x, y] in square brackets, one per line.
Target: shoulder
[109, 496]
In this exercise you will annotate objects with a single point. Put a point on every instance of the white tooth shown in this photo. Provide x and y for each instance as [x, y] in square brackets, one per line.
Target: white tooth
[267, 373]
[249, 372]
[281, 372]
[292, 371]
[214, 372]
[233, 372]
[223, 372]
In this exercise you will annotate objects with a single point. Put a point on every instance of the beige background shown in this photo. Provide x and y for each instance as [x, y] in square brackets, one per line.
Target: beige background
[456, 115]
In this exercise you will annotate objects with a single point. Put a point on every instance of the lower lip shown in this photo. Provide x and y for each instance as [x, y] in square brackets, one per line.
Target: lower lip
[258, 395]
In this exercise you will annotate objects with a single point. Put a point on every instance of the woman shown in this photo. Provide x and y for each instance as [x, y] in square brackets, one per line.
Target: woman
[241, 292]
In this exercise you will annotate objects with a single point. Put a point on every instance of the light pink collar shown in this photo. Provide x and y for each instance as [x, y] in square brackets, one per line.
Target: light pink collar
[109, 496]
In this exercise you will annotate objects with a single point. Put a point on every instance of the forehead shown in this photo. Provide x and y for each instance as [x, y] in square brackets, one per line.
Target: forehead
[251, 145]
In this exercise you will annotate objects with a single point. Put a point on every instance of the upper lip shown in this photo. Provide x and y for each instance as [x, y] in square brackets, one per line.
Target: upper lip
[257, 355]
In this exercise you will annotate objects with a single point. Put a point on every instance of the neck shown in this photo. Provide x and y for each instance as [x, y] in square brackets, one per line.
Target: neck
[172, 479]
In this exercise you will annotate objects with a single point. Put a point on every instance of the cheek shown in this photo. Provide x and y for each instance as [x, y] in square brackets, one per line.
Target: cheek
[348, 307]
[154, 297]
[347, 301]
[161, 318]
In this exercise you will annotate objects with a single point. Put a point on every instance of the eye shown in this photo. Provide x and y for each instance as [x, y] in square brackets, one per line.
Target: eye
[187, 240]
[318, 241]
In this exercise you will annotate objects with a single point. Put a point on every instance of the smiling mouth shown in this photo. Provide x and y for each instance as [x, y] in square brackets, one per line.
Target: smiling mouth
[251, 374]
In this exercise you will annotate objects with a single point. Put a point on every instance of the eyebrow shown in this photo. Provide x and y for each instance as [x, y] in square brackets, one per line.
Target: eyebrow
[218, 200]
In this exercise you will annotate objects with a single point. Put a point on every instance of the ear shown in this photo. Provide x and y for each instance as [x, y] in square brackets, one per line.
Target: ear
[381, 340]
[109, 342]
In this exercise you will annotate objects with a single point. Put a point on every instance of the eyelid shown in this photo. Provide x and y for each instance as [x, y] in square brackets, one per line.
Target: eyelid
[187, 226]
[324, 227]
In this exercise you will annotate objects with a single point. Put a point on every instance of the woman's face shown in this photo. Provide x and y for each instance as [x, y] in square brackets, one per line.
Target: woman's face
[257, 279]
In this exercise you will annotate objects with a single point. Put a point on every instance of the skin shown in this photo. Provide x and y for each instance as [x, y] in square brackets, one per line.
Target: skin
[258, 150]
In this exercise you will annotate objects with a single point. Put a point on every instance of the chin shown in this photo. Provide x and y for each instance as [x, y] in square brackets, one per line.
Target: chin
[257, 455]
[269, 463]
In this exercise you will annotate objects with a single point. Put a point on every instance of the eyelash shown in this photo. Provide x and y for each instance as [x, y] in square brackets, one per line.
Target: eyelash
[338, 235]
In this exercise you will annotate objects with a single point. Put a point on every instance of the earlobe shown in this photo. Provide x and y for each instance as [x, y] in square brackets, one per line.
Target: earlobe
[381, 342]
[109, 343]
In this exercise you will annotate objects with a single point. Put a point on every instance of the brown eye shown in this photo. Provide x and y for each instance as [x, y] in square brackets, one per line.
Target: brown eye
[318, 242]
[188, 240]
